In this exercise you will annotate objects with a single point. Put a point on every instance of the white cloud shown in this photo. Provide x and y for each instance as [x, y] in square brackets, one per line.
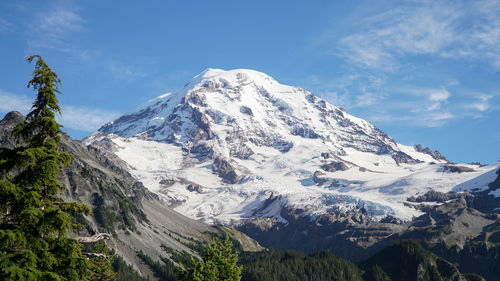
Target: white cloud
[360, 49]
[416, 49]
[481, 104]
[425, 119]
[16, 102]
[425, 100]
[366, 99]
[337, 99]
[485, 42]
[422, 107]
[439, 116]
[85, 119]
[484, 97]
[79, 118]
[429, 107]
[425, 29]
[439, 95]
[59, 22]
[125, 72]
[5, 25]
[52, 28]
[445, 29]
[434, 119]
[437, 98]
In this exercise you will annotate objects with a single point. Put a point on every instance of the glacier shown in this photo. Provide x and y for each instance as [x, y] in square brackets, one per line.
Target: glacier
[221, 147]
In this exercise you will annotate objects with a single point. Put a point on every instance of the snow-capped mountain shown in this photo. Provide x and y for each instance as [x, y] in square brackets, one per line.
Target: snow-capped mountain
[228, 141]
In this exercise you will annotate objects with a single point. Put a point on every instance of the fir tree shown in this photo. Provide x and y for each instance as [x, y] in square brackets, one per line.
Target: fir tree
[34, 222]
[219, 263]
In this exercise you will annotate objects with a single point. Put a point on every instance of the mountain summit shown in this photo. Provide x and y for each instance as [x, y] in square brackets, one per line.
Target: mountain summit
[251, 107]
[233, 145]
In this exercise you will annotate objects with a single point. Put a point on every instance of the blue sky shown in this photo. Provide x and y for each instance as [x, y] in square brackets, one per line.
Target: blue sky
[423, 71]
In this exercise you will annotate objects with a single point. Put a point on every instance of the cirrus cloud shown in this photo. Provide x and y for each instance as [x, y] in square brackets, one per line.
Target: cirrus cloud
[438, 28]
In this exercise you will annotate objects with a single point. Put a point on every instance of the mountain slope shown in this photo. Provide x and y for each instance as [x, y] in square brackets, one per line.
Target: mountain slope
[407, 260]
[236, 145]
[137, 219]
[403, 260]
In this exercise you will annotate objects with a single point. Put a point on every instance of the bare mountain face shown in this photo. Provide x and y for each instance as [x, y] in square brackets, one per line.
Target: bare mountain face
[282, 165]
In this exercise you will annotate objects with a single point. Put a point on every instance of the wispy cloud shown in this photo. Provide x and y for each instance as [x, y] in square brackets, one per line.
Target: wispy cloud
[427, 119]
[425, 107]
[479, 104]
[359, 89]
[401, 64]
[54, 28]
[436, 28]
[85, 118]
[482, 103]
[59, 28]
[436, 98]
[418, 107]
[75, 117]
[59, 22]
[123, 71]
[481, 40]
[5, 25]
[16, 102]
[438, 95]
[367, 99]
[338, 99]
[410, 30]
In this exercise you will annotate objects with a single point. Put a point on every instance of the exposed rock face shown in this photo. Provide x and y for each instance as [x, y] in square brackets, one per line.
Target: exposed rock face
[224, 170]
[486, 200]
[7, 125]
[243, 151]
[457, 169]
[496, 184]
[334, 166]
[352, 235]
[461, 234]
[195, 188]
[454, 222]
[435, 154]
[304, 131]
[202, 150]
[317, 177]
[401, 157]
[246, 110]
[435, 196]
[201, 121]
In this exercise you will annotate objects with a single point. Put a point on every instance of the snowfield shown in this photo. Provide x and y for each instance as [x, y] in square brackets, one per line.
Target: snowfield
[272, 141]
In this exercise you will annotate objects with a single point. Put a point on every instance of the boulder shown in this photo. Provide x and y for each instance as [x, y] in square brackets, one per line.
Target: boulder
[334, 166]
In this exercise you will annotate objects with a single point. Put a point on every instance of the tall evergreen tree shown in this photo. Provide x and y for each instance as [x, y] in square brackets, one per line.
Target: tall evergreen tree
[34, 222]
[219, 263]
